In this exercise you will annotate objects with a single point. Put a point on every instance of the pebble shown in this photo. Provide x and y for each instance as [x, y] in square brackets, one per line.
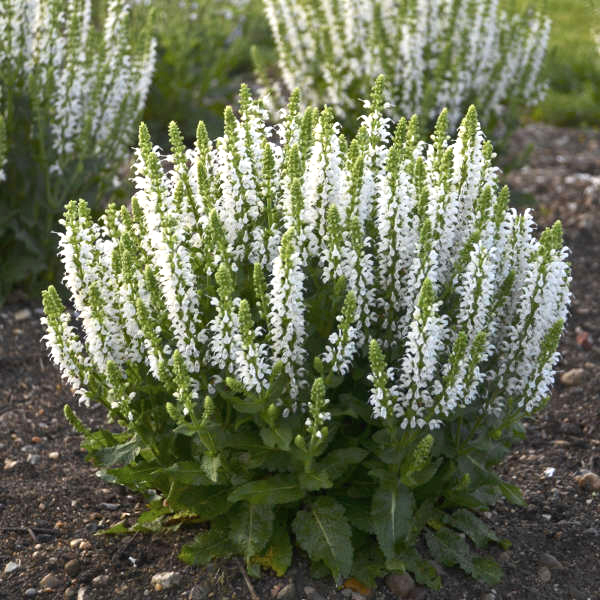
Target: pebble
[489, 596]
[100, 580]
[544, 574]
[166, 580]
[109, 506]
[573, 377]
[22, 314]
[400, 585]
[81, 593]
[589, 481]
[85, 545]
[10, 464]
[287, 592]
[72, 567]
[70, 592]
[50, 581]
[75, 542]
[30, 592]
[34, 459]
[53, 455]
[11, 566]
[551, 561]
[200, 591]
[312, 593]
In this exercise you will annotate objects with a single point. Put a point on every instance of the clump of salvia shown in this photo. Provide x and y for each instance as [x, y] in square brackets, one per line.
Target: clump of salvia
[72, 86]
[434, 53]
[313, 341]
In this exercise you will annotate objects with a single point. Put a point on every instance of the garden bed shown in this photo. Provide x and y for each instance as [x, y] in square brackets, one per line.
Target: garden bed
[52, 505]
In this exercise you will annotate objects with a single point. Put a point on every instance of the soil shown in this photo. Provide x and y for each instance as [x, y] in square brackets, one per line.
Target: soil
[52, 504]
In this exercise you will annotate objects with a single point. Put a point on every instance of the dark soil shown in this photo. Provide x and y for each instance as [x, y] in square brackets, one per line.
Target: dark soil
[50, 496]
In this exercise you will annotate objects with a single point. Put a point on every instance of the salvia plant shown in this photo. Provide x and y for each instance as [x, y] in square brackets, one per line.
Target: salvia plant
[434, 53]
[73, 81]
[314, 342]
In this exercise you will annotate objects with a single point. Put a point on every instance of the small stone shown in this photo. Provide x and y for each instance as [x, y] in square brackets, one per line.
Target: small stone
[81, 593]
[505, 557]
[356, 586]
[166, 580]
[312, 593]
[53, 455]
[72, 567]
[109, 506]
[200, 591]
[11, 567]
[589, 482]
[488, 596]
[593, 531]
[287, 592]
[70, 592]
[544, 574]
[74, 543]
[100, 580]
[573, 377]
[10, 464]
[22, 314]
[30, 592]
[85, 545]
[583, 339]
[50, 581]
[400, 585]
[34, 459]
[551, 561]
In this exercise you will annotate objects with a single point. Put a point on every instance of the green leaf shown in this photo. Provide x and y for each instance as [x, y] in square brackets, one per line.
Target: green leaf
[324, 533]
[278, 489]
[248, 405]
[211, 463]
[337, 462]
[205, 502]
[251, 527]
[512, 493]
[188, 472]
[119, 529]
[315, 481]
[392, 510]
[486, 569]
[449, 548]
[279, 437]
[368, 563]
[122, 454]
[358, 512]
[423, 476]
[278, 554]
[207, 546]
[473, 526]
[409, 559]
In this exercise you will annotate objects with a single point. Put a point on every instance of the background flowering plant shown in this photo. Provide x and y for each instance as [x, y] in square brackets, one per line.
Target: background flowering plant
[434, 53]
[73, 81]
[311, 341]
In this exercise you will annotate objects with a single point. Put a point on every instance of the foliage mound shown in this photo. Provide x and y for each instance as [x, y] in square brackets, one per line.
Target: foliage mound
[73, 81]
[434, 54]
[308, 341]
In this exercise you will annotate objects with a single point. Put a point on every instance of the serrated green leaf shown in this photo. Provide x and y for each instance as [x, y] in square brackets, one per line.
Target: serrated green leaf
[280, 437]
[278, 489]
[188, 472]
[205, 502]
[392, 510]
[122, 454]
[486, 569]
[358, 512]
[207, 546]
[512, 493]
[324, 533]
[337, 462]
[315, 481]
[368, 564]
[450, 548]
[465, 521]
[211, 463]
[278, 554]
[251, 526]
[409, 559]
